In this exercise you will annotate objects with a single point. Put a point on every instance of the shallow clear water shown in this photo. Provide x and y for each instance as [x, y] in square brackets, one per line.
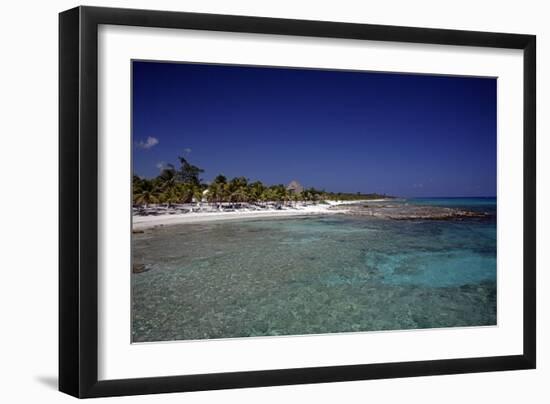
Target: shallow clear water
[314, 275]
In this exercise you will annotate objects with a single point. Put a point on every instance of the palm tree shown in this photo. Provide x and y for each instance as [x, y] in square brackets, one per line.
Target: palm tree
[145, 192]
[267, 195]
[216, 193]
[188, 173]
[146, 197]
[137, 184]
[239, 195]
[237, 183]
[171, 195]
[197, 193]
[295, 197]
[185, 193]
[220, 179]
[168, 186]
[279, 193]
[255, 191]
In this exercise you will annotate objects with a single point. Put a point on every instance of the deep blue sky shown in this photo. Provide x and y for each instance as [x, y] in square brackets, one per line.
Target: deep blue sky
[406, 135]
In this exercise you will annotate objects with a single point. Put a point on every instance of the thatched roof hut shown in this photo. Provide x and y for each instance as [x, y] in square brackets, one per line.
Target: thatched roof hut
[295, 187]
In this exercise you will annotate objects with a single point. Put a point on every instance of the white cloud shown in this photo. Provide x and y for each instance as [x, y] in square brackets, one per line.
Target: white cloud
[147, 144]
[160, 165]
[187, 150]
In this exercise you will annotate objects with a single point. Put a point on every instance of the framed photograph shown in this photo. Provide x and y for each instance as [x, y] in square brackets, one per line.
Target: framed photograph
[251, 201]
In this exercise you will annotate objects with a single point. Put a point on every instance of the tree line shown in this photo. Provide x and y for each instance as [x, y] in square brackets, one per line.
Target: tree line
[184, 185]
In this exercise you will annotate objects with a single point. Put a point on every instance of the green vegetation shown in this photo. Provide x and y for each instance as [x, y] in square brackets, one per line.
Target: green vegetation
[184, 185]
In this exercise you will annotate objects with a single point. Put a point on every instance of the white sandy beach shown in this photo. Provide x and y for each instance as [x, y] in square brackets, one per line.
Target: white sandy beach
[145, 222]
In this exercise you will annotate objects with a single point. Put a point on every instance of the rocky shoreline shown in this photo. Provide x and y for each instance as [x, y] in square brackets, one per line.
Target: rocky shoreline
[410, 212]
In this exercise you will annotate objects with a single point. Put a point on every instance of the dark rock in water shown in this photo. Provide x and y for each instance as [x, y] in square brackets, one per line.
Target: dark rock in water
[411, 212]
[434, 213]
[137, 231]
[139, 268]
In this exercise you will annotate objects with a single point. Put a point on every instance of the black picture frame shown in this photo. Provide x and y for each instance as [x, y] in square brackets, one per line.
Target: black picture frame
[78, 201]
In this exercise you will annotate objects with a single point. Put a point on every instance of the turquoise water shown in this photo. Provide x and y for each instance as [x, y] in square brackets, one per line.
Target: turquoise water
[315, 275]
